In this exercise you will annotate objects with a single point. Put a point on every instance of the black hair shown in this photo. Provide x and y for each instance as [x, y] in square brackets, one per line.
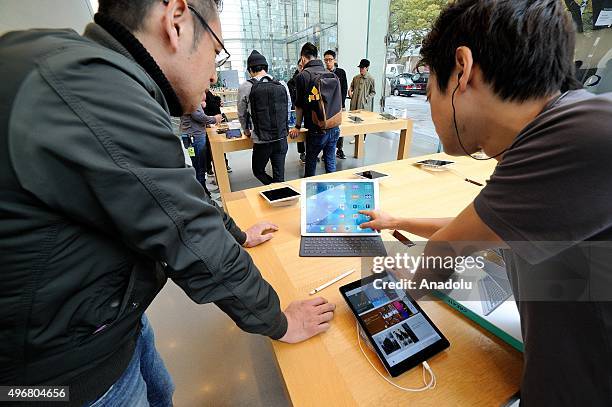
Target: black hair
[132, 13]
[258, 68]
[330, 52]
[524, 48]
[309, 50]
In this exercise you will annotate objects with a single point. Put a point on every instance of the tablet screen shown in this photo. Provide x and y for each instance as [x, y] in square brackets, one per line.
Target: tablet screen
[397, 327]
[333, 207]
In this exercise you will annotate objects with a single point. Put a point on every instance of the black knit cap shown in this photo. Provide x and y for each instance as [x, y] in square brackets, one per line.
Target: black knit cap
[256, 59]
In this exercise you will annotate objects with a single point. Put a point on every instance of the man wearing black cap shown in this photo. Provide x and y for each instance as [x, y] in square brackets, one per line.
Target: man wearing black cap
[268, 127]
[362, 89]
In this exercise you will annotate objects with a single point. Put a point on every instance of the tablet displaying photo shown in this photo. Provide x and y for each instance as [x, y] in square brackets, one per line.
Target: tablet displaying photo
[398, 329]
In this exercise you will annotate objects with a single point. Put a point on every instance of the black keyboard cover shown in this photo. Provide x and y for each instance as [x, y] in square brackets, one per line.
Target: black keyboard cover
[342, 246]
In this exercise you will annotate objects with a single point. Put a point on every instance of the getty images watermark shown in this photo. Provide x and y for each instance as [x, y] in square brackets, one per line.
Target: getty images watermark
[557, 271]
[407, 264]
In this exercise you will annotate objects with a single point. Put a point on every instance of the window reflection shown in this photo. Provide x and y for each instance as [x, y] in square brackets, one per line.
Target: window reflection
[593, 57]
[277, 29]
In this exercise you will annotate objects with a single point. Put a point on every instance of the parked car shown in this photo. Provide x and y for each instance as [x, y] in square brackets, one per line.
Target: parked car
[402, 85]
[420, 82]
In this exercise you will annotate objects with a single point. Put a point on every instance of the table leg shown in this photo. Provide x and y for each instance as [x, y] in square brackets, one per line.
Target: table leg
[404, 143]
[359, 140]
[218, 160]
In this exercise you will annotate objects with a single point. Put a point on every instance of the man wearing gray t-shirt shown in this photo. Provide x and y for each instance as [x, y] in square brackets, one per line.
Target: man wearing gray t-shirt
[502, 82]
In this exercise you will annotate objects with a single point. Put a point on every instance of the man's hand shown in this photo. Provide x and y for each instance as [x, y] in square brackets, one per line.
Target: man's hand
[378, 221]
[259, 233]
[307, 318]
[294, 132]
[218, 118]
[247, 133]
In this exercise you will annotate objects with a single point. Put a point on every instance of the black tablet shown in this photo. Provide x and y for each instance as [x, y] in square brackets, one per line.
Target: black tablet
[398, 329]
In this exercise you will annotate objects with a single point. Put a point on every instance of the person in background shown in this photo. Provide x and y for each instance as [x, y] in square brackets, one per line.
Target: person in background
[99, 210]
[362, 89]
[301, 146]
[331, 64]
[193, 134]
[213, 108]
[317, 139]
[264, 106]
[546, 205]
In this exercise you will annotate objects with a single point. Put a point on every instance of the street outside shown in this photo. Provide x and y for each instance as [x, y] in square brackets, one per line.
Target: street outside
[416, 108]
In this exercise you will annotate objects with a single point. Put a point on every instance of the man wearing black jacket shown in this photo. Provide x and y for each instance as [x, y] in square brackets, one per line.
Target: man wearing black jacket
[330, 63]
[98, 210]
[301, 146]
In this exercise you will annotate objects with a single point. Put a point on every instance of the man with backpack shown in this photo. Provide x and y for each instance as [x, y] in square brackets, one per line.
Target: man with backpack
[318, 103]
[263, 110]
[329, 57]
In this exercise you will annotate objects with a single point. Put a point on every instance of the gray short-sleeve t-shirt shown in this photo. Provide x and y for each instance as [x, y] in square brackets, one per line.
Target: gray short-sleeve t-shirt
[549, 198]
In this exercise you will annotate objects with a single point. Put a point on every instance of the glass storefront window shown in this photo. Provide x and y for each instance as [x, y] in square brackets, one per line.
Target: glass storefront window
[593, 57]
[277, 29]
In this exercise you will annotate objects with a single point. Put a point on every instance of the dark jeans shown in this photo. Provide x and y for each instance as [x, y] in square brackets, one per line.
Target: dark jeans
[199, 161]
[274, 152]
[301, 147]
[199, 144]
[340, 143]
[315, 143]
[208, 158]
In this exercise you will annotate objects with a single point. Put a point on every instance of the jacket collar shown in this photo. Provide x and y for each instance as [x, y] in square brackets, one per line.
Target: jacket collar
[111, 34]
[314, 62]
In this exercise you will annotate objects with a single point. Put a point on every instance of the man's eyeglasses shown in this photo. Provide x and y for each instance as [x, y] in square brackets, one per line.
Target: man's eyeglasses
[222, 56]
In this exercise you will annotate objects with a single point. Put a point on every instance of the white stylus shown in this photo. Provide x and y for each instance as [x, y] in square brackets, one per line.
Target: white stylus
[335, 280]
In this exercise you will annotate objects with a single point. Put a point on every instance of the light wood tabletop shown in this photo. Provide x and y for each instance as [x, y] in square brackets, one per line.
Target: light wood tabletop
[329, 370]
[372, 123]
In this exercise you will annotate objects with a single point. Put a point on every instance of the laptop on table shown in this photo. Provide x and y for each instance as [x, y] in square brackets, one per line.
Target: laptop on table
[330, 219]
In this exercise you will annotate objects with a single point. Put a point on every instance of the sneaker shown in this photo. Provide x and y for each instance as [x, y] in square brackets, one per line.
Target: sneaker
[352, 141]
[303, 158]
[340, 155]
[229, 169]
[210, 173]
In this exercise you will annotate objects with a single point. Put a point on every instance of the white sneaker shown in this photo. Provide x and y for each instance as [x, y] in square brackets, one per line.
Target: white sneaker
[352, 141]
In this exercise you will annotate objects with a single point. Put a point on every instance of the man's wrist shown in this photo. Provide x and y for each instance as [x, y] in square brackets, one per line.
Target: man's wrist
[297, 126]
[243, 242]
[281, 329]
[395, 223]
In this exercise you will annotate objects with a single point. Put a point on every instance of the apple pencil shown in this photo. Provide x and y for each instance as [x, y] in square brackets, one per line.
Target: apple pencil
[335, 280]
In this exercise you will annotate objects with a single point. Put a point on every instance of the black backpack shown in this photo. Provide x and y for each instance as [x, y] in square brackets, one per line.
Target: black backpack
[269, 112]
[324, 98]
